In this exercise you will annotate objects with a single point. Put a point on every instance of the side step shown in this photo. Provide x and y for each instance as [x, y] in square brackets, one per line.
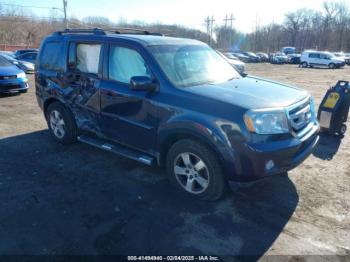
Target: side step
[117, 149]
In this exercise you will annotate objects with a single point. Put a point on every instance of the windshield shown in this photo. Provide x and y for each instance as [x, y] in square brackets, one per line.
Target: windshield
[190, 65]
[4, 62]
[8, 58]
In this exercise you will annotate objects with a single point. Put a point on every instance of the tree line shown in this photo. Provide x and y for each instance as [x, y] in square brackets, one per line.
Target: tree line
[328, 29]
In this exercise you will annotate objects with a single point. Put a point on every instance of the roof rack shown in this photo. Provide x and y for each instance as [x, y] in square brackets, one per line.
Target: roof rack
[100, 31]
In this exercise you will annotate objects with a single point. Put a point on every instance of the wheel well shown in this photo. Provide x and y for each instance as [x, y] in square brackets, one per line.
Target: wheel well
[49, 102]
[171, 140]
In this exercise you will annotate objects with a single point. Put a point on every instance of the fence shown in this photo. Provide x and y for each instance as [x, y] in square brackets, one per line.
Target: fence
[6, 47]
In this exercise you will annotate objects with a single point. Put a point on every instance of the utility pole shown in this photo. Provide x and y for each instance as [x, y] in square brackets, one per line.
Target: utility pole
[226, 19]
[65, 13]
[231, 19]
[211, 28]
[228, 33]
[209, 23]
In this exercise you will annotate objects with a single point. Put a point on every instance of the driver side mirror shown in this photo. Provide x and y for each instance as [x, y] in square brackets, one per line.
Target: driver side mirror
[142, 83]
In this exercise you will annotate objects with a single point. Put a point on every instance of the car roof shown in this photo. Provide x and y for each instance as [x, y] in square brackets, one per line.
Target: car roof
[150, 40]
[143, 39]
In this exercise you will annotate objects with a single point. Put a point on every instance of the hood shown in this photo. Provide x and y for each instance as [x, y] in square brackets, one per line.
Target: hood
[251, 93]
[9, 70]
[338, 59]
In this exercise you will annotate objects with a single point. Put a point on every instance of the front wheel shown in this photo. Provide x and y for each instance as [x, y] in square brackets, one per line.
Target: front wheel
[194, 169]
[342, 130]
[331, 65]
[61, 123]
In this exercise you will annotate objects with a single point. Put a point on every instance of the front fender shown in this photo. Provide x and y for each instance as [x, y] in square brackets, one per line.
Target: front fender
[210, 131]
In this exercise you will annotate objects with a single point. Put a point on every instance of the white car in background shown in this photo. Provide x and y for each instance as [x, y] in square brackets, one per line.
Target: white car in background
[344, 56]
[321, 59]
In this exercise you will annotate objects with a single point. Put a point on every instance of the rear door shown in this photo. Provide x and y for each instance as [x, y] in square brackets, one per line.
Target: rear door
[314, 59]
[82, 79]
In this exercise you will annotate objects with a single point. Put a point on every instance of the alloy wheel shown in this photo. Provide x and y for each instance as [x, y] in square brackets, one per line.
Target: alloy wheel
[57, 124]
[191, 173]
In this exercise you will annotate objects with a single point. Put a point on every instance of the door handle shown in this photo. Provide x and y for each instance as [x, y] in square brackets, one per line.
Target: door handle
[109, 93]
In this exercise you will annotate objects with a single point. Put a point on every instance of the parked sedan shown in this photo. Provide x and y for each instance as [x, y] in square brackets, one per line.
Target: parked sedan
[294, 58]
[278, 58]
[25, 66]
[234, 61]
[344, 56]
[28, 57]
[241, 57]
[12, 79]
[23, 51]
[263, 57]
[253, 58]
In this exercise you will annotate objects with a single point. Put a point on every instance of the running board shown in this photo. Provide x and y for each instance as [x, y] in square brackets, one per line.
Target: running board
[117, 149]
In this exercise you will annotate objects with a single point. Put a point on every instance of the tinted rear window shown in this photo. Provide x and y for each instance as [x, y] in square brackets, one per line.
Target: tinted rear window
[50, 56]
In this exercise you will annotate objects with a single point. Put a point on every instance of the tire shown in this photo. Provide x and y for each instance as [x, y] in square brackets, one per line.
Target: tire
[199, 173]
[331, 66]
[342, 129]
[61, 123]
[304, 65]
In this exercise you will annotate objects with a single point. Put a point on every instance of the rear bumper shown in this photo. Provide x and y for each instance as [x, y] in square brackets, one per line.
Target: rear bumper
[286, 155]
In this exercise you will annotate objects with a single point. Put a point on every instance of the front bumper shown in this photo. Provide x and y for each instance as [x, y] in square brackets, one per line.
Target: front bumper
[285, 154]
[340, 64]
[13, 85]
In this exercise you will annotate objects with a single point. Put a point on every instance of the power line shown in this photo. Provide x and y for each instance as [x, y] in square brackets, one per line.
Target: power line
[30, 6]
[28, 18]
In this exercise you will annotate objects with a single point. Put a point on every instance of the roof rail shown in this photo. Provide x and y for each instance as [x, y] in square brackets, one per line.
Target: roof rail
[95, 31]
[125, 30]
[100, 31]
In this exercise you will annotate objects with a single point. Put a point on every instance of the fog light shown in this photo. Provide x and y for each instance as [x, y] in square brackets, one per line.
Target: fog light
[269, 165]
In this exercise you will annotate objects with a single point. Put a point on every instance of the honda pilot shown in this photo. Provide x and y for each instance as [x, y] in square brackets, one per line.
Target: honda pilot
[172, 102]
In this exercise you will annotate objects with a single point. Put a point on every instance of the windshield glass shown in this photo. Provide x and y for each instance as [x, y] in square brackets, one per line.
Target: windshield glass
[330, 55]
[4, 62]
[190, 65]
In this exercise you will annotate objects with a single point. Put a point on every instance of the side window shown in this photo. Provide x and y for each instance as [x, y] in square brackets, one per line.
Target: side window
[125, 63]
[314, 55]
[50, 56]
[88, 57]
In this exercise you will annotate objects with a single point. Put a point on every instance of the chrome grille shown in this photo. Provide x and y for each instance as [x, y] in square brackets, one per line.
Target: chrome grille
[300, 116]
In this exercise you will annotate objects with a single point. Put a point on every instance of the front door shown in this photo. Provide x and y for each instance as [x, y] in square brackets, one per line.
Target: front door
[128, 116]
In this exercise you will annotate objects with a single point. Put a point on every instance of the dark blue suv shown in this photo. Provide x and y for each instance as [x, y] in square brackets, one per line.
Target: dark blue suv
[172, 102]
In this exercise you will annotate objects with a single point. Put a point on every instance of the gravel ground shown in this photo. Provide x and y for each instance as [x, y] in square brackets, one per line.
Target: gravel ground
[80, 200]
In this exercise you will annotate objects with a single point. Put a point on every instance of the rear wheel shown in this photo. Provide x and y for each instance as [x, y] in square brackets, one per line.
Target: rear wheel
[331, 65]
[194, 169]
[304, 64]
[61, 123]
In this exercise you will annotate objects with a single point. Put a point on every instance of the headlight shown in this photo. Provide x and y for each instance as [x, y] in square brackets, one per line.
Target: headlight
[267, 121]
[21, 75]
